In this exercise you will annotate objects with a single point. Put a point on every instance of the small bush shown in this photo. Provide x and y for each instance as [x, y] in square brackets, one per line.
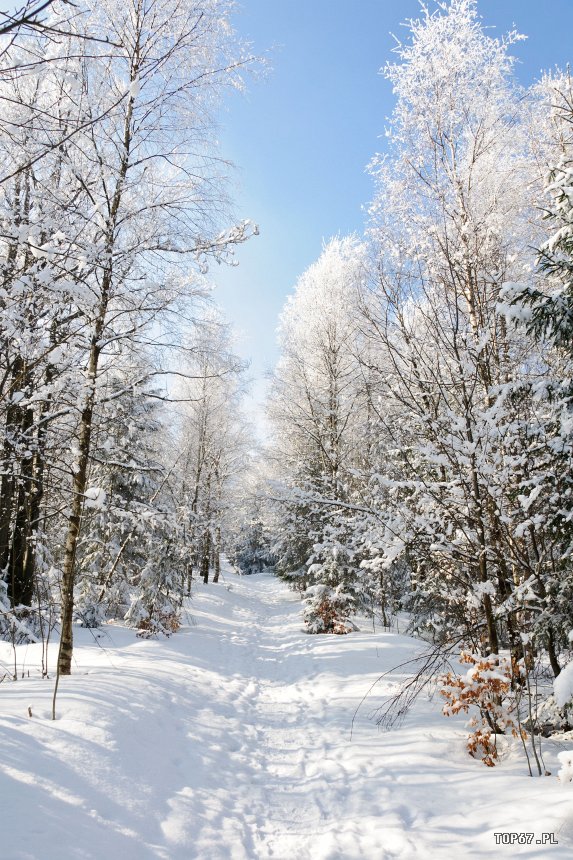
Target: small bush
[165, 623]
[485, 686]
[90, 614]
[327, 610]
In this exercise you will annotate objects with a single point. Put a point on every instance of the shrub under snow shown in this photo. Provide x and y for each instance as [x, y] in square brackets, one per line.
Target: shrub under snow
[327, 609]
[565, 773]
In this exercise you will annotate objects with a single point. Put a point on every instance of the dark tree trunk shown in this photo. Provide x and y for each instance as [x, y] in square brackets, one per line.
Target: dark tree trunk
[205, 555]
[217, 555]
[85, 429]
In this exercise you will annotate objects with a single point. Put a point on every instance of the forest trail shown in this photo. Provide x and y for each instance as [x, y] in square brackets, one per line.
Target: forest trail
[231, 741]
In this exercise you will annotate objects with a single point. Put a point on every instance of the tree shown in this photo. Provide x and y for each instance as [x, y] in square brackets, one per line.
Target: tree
[452, 221]
[544, 308]
[124, 507]
[249, 521]
[316, 408]
[39, 317]
[213, 442]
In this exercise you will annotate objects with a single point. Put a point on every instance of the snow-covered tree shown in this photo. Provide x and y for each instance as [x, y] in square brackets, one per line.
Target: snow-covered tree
[453, 221]
[40, 318]
[213, 440]
[544, 308]
[316, 408]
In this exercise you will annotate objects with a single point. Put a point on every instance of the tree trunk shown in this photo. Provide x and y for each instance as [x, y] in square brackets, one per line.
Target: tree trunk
[74, 521]
[217, 554]
[205, 556]
[85, 428]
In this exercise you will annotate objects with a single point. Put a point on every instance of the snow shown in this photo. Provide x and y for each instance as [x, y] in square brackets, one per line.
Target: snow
[134, 88]
[231, 741]
[565, 773]
[94, 497]
[563, 685]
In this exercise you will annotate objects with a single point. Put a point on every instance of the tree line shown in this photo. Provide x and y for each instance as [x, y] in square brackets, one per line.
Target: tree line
[421, 406]
[120, 416]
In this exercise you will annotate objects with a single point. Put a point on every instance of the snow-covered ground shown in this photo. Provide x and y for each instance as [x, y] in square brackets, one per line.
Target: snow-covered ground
[231, 741]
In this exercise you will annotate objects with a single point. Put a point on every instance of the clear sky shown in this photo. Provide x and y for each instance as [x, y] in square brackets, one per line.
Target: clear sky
[303, 136]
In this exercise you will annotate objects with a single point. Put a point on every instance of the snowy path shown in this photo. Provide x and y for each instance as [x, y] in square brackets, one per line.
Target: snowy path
[231, 741]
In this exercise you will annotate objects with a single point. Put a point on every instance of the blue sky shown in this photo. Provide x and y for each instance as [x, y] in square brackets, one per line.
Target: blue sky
[301, 137]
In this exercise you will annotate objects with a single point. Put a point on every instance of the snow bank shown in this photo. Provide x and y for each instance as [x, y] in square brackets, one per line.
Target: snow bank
[563, 686]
